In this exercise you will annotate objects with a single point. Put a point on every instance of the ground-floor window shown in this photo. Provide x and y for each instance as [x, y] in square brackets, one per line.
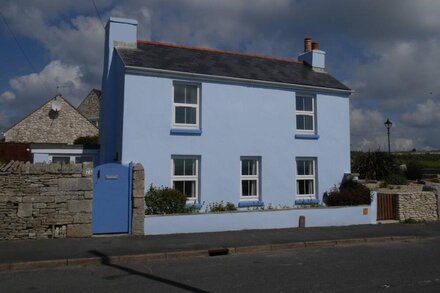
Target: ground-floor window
[305, 177]
[68, 159]
[185, 175]
[61, 159]
[249, 178]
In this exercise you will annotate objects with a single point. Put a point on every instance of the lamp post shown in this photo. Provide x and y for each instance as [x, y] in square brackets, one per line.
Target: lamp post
[388, 125]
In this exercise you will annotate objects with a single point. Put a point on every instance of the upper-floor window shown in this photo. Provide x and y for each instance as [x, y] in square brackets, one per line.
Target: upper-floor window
[250, 178]
[305, 178]
[185, 176]
[186, 105]
[305, 113]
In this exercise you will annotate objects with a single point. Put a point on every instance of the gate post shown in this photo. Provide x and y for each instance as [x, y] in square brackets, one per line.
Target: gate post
[138, 201]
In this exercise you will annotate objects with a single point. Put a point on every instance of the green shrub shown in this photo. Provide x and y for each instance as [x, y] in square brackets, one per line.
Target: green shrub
[350, 193]
[383, 185]
[165, 200]
[373, 165]
[413, 171]
[220, 207]
[396, 179]
[87, 140]
[412, 221]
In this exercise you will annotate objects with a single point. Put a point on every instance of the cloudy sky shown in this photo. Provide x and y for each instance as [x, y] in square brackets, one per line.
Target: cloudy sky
[387, 51]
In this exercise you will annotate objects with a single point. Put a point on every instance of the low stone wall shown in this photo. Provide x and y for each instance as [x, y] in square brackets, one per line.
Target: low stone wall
[435, 187]
[45, 200]
[419, 206]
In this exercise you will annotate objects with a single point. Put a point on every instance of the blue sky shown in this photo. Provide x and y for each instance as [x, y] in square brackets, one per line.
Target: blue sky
[387, 51]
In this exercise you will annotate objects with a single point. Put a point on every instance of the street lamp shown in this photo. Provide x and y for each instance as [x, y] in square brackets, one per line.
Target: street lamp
[388, 125]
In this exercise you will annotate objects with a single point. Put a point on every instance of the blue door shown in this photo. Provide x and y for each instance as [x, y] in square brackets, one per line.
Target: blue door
[111, 199]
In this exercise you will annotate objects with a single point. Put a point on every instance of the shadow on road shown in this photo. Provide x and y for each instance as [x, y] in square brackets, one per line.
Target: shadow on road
[105, 260]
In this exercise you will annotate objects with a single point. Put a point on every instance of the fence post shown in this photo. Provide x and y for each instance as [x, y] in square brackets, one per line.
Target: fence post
[138, 206]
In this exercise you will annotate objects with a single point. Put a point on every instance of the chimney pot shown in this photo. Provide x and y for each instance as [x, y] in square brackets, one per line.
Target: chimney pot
[312, 56]
[307, 44]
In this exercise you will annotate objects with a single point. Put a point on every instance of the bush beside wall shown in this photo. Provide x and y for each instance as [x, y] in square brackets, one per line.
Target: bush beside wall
[350, 193]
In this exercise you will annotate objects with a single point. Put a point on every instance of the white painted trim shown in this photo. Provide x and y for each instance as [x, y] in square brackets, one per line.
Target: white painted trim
[306, 113]
[71, 157]
[196, 106]
[65, 151]
[250, 177]
[173, 73]
[186, 177]
[306, 177]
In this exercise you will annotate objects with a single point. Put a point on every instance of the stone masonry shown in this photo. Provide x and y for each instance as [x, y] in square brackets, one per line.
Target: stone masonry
[47, 126]
[45, 200]
[138, 213]
[89, 107]
[419, 206]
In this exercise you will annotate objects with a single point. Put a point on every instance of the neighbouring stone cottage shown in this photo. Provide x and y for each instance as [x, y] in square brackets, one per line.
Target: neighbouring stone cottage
[47, 125]
[89, 107]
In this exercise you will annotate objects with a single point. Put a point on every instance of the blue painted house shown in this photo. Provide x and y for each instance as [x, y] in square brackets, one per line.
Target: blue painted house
[224, 126]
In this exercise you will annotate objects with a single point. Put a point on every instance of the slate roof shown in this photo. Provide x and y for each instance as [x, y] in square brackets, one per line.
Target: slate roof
[226, 64]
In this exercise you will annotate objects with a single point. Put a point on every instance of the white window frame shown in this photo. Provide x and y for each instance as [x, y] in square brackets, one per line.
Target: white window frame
[186, 177]
[196, 106]
[306, 177]
[306, 113]
[71, 158]
[250, 177]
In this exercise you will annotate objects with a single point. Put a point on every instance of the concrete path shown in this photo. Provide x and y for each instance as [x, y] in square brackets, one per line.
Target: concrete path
[26, 254]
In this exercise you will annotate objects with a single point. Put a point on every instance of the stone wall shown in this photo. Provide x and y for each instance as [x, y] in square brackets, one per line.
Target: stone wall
[46, 126]
[138, 213]
[419, 206]
[45, 200]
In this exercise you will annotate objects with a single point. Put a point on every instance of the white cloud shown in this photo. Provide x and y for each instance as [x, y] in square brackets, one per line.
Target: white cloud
[369, 133]
[426, 114]
[389, 56]
[4, 122]
[32, 90]
[362, 121]
[7, 96]
[403, 144]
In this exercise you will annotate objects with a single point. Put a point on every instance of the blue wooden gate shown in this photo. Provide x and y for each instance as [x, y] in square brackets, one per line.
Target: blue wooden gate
[111, 212]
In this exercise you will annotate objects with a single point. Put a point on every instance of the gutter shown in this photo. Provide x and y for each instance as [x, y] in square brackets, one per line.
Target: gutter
[164, 72]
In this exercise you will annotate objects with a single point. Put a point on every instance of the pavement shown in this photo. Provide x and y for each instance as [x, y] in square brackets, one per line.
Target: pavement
[33, 254]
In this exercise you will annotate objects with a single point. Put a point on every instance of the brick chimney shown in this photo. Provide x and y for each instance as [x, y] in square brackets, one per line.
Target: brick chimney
[312, 56]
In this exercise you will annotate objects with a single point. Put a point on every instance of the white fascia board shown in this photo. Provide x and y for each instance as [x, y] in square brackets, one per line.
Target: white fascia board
[291, 86]
[64, 151]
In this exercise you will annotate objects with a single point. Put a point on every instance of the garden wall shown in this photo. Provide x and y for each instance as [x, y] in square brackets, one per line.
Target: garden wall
[260, 219]
[45, 200]
[419, 206]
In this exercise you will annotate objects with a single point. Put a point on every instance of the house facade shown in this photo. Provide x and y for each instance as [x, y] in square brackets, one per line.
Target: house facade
[51, 130]
[224, 126]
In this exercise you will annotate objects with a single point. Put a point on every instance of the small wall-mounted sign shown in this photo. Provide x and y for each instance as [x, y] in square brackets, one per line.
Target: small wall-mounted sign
[365, 211]
[111, 177]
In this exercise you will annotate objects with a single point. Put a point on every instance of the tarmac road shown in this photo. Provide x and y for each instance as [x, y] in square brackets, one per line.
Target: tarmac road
[371, 267]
